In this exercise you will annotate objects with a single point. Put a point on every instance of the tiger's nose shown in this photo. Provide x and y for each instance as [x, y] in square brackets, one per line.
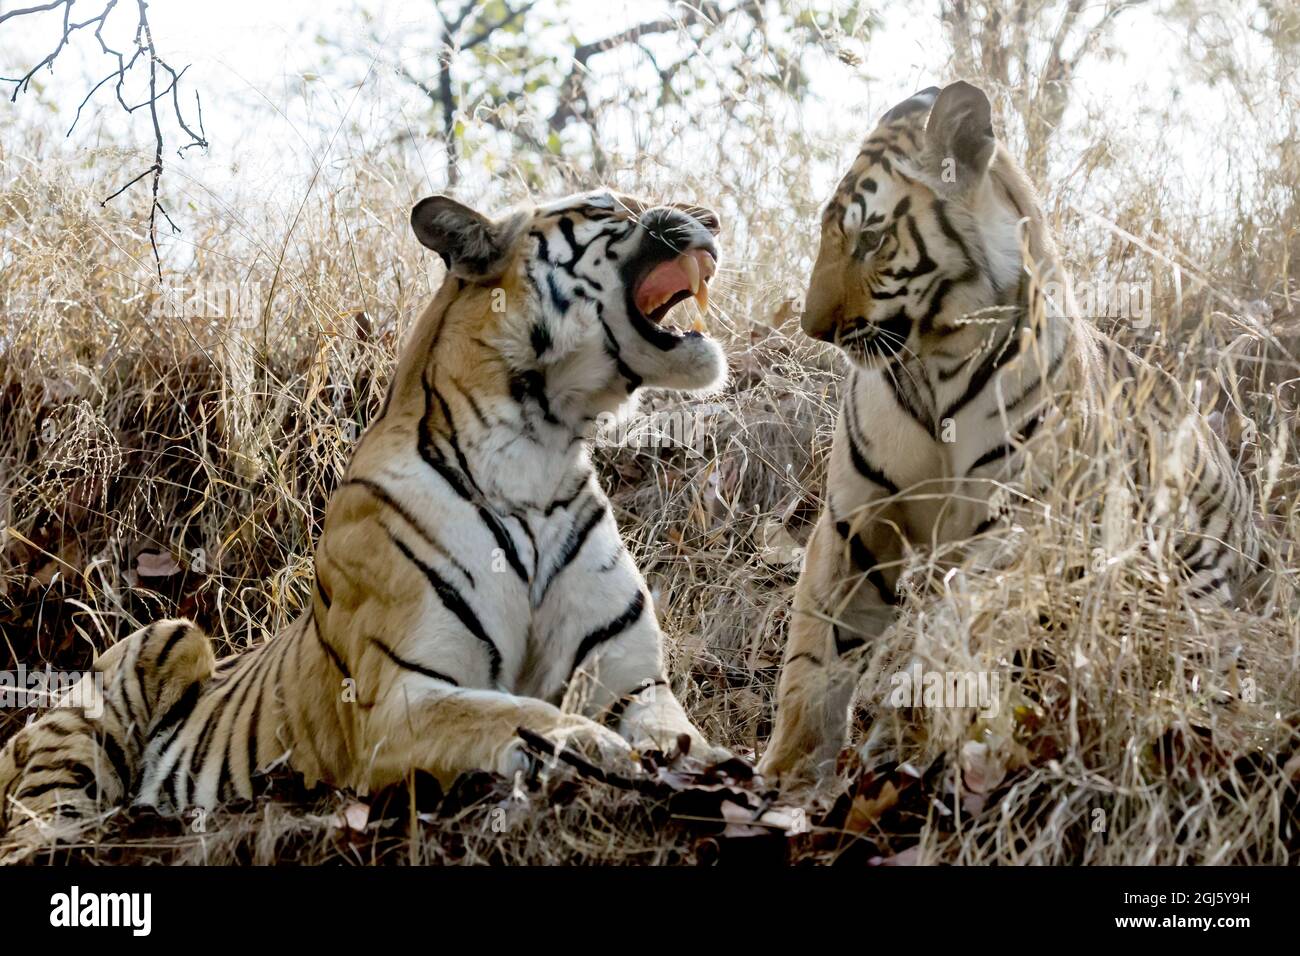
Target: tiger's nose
[677, 230]
[816, 327]
[820, 323]
[823, 305]
[823, 333]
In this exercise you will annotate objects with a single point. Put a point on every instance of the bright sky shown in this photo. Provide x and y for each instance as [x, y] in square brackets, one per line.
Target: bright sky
[270, 115]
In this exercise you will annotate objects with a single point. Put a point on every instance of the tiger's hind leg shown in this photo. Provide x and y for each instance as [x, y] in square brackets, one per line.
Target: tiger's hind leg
[84, 756]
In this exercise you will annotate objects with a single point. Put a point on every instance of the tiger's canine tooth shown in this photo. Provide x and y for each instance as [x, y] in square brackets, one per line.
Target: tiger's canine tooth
[692, 269]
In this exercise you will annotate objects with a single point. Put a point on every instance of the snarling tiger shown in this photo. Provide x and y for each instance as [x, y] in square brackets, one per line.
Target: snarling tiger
[972, 376]
[470, 579]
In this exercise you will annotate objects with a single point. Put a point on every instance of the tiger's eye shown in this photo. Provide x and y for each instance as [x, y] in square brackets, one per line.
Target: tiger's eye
[869, 242]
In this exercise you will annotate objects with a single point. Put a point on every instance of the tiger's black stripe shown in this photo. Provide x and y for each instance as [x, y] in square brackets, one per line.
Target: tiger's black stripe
[1047, 378]
[180, 710]
[428, 450]
[472, 402]
[451, 436]
[195, 759]
[504, 542]
[625, 371]
[844, 645]
[906, 393]
[609, 631]
[865, 561]
[454, 602]
[403, 663]
[860, 463]
[330, 652]
[243, 688]
[1007, 349]
[1007, 448]
[177, 633]
[382, 494]
[572, 545]
[250, 738]
[79, 773]
[614, 712]
[805, 656]
[924, 264]
[137, 715]
[121, 766]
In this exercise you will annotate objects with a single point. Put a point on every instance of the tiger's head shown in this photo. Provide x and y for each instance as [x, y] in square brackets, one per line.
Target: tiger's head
[581, 292]
[921, 245]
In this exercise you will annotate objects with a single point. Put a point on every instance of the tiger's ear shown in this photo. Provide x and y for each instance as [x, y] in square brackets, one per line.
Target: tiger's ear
[471, 245]
[959, 136]
[918, 102]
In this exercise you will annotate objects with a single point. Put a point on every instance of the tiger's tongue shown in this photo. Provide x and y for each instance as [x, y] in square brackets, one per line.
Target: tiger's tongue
[660, 284]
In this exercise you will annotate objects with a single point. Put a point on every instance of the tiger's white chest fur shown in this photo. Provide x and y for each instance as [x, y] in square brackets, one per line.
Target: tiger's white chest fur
[938, 432]
[534, 541]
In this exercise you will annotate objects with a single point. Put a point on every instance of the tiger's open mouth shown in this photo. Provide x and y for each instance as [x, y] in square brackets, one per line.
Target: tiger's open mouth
[668, 283]
[875, 340]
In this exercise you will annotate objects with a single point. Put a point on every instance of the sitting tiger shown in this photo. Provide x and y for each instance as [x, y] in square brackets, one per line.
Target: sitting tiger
[970, 371]
[470, 578]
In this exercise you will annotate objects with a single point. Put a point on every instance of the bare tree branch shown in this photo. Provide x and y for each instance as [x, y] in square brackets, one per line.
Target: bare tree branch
[573, 94]
[485, 32]
[40, 9]
[998, 42]
[461, 32]
[69, 28]
[164, 81]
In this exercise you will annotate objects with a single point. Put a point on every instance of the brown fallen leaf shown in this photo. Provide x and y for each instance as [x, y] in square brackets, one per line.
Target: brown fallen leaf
[152, 564]
[66, 562]
[866, 811]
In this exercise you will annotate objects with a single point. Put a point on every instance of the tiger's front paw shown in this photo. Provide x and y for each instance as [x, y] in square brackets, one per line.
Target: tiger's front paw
[513, 758]
[572, 738]
[700, 750]
[594, 742]
[794, 766]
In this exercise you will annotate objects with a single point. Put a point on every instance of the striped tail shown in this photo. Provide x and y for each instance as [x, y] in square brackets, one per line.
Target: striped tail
[85, 755]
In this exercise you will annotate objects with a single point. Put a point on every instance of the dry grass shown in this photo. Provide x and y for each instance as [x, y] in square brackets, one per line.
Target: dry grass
[1134, 727]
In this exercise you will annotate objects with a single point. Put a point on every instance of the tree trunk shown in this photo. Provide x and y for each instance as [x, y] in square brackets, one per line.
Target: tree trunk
[447, 104]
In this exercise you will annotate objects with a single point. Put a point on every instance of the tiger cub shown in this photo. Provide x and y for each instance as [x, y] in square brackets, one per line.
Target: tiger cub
[939, 279]
[470, 578]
